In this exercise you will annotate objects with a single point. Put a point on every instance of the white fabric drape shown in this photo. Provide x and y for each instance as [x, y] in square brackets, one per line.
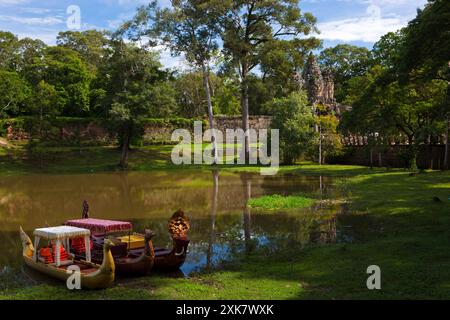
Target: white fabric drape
[87, 243]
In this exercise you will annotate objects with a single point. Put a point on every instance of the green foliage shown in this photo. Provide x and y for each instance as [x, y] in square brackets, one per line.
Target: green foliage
[68, 73]
[396, 102]
[388, 51]
[136, 90]
[46, 100]
[331, 140]
[14, 93]
[191, 97]
[276, 202]
[427, 41]
[249, 29]
[8, 50]
[90, 44]
[17, 55]
[226, 99]
[345, 62]
[295, 120]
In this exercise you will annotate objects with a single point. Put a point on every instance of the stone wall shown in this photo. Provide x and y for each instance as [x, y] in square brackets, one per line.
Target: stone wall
[395, 156]
[235, 122]
[93, 132]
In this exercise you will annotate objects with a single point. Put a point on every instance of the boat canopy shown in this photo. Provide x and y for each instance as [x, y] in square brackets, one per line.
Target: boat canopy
[101, 226]
[62, 234]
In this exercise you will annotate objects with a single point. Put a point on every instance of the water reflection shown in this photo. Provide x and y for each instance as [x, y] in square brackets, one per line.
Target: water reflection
[247, 186]
[222, 225]
[212, 237]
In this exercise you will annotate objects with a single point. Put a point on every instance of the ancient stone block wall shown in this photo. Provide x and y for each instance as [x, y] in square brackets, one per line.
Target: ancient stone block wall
[93, 132]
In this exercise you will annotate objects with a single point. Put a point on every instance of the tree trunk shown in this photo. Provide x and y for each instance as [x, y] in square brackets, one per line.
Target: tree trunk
[371, 157]
[245, 116]
[41, 119]
[212, 238]
[320, 145]
[210, 111]
[447, 142]
[125, 148]
[247, 185]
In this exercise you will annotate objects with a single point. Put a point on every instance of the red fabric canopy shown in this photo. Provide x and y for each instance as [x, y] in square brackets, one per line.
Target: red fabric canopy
[101, 225]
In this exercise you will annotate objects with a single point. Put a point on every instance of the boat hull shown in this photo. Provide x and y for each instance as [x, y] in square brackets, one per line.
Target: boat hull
[169, 262]
[99, 279]
[126, 266]
[169, 259]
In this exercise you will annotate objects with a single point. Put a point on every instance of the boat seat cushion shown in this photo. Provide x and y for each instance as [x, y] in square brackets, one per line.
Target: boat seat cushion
[45, 255]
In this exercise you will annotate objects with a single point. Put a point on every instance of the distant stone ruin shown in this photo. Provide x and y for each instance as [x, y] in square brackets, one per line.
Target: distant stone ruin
[319, 84]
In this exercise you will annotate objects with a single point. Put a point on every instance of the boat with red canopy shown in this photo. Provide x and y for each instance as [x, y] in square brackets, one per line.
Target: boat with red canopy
[134, 245]
[126, 261]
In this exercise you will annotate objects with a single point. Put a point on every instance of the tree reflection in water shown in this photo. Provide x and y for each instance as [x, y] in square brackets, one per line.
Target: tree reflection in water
[223, 227]
[212, 237]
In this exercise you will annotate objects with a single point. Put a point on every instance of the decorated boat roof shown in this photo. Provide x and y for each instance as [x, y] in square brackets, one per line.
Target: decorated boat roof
[101, 225]
[61, 232]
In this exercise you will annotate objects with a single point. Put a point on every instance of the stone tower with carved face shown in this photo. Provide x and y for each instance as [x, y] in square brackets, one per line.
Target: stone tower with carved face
[319, 86]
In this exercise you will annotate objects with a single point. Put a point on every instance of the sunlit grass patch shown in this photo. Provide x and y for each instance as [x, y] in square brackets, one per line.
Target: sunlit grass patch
[276, 201]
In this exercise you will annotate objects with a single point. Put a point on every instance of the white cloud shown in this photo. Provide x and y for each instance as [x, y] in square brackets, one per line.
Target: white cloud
[170, 62]
[125, 3]
[44, 34]
[34, 10]
[397, 3]
[368, 28]
[12, 2]
[358, 29]
[49, 21]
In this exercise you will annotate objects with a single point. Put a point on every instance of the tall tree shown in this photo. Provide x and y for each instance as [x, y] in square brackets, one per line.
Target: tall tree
[64, 69]
[46, 102]
[8, 51]
[92, 45]
[191, 94]
[136, 89]
[427, 48]
[345, 62]
[17, 55]
[191, 28]
[294, 118]
[252, 25]
[14, 92]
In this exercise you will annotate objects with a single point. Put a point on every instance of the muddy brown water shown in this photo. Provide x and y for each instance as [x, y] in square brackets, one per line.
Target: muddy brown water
[222, 225]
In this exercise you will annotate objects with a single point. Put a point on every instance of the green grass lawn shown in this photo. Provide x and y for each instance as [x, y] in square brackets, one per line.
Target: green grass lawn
[395, 221]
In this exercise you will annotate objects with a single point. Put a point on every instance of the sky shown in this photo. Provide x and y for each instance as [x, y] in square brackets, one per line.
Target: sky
[358, 22]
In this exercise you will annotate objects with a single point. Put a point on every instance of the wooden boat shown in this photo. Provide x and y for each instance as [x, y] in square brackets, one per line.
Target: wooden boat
[92, 276]
[172, 259]
[126, 262]
[133, 245]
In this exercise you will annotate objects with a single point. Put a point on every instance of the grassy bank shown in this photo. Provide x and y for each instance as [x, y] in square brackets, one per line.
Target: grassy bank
[395, 221]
